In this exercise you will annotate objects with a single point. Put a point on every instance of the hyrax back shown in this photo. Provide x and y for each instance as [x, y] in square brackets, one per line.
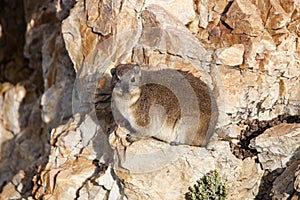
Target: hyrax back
[171, 105]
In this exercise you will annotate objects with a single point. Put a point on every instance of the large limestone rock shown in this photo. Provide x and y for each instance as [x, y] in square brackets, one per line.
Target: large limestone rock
[85, 148]
[176, 8]
[232, 56]
[278, 150]
[277, 145]
[250, 22]
[144, 170]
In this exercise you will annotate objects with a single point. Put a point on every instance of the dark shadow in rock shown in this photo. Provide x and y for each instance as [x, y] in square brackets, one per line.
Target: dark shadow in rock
[13, 65]
[21, 154]
[267, 182]
[242, 150]
[254, 129]
[105, 119]
[26, 154]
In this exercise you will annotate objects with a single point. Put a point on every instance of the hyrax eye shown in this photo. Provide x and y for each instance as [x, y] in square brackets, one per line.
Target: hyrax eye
[132, 80]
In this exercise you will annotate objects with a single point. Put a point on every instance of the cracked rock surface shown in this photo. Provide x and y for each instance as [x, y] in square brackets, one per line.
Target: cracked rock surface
[58, 139]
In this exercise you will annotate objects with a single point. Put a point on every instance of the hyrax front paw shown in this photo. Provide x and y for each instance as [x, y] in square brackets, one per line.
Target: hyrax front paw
[120, 137]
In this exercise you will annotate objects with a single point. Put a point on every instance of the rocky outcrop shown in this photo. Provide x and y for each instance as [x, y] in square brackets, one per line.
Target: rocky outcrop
[56, 145]
[278, 153]
[35, 60]
[277, 145]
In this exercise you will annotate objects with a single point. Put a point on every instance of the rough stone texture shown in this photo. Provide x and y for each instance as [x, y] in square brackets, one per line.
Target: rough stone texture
[232, 56]
[277, 145]
[11, 98]
[37, 63]
[283, 186]
[90, 177]
[178, 167]
[176, 8]
[281, 163]
[22, 140]
[140, 172]
[250, 22]
[72, 36]
[247, 52]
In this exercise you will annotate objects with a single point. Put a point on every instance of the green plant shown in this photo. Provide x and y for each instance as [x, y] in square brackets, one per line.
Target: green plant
[209, 187]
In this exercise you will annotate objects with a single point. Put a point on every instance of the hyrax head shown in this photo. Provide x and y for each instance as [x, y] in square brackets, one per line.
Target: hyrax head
[126, 81]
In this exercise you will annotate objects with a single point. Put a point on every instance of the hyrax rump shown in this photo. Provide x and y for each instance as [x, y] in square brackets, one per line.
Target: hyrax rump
[171, 105]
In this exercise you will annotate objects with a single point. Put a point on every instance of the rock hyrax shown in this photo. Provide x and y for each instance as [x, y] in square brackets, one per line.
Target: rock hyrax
[170, 105]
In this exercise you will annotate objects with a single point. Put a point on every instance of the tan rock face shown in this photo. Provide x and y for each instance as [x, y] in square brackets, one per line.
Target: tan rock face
[247, 52]
[176, 8]
[143, 166]
[231, 56]
[83, 148]
[277, 145]
[249, 22]
[76, 47]
[11, 99]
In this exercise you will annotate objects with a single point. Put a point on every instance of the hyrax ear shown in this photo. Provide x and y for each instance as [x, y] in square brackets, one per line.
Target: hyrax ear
[137, 70]
[113, 71]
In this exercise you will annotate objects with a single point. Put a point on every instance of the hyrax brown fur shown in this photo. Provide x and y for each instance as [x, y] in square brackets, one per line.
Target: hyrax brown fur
[171, 105]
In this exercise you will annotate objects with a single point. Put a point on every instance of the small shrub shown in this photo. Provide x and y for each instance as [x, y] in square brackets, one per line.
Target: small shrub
[209, 187]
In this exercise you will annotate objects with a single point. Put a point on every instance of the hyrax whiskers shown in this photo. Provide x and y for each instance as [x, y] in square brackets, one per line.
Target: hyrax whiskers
[171, 105]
